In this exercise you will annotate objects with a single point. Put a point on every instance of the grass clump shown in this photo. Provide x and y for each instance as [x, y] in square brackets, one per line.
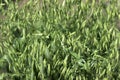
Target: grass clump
[53, 40]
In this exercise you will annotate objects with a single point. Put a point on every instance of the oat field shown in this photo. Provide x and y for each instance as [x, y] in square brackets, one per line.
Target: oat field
[59, 40]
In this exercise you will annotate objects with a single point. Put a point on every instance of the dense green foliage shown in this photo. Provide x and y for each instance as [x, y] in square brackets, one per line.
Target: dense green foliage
[69, 40]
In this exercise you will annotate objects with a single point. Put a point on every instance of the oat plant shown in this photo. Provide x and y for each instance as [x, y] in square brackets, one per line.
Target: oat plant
[60, 40]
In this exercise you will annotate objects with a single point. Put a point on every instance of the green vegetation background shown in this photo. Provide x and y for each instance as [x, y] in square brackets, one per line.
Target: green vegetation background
[60, 40]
